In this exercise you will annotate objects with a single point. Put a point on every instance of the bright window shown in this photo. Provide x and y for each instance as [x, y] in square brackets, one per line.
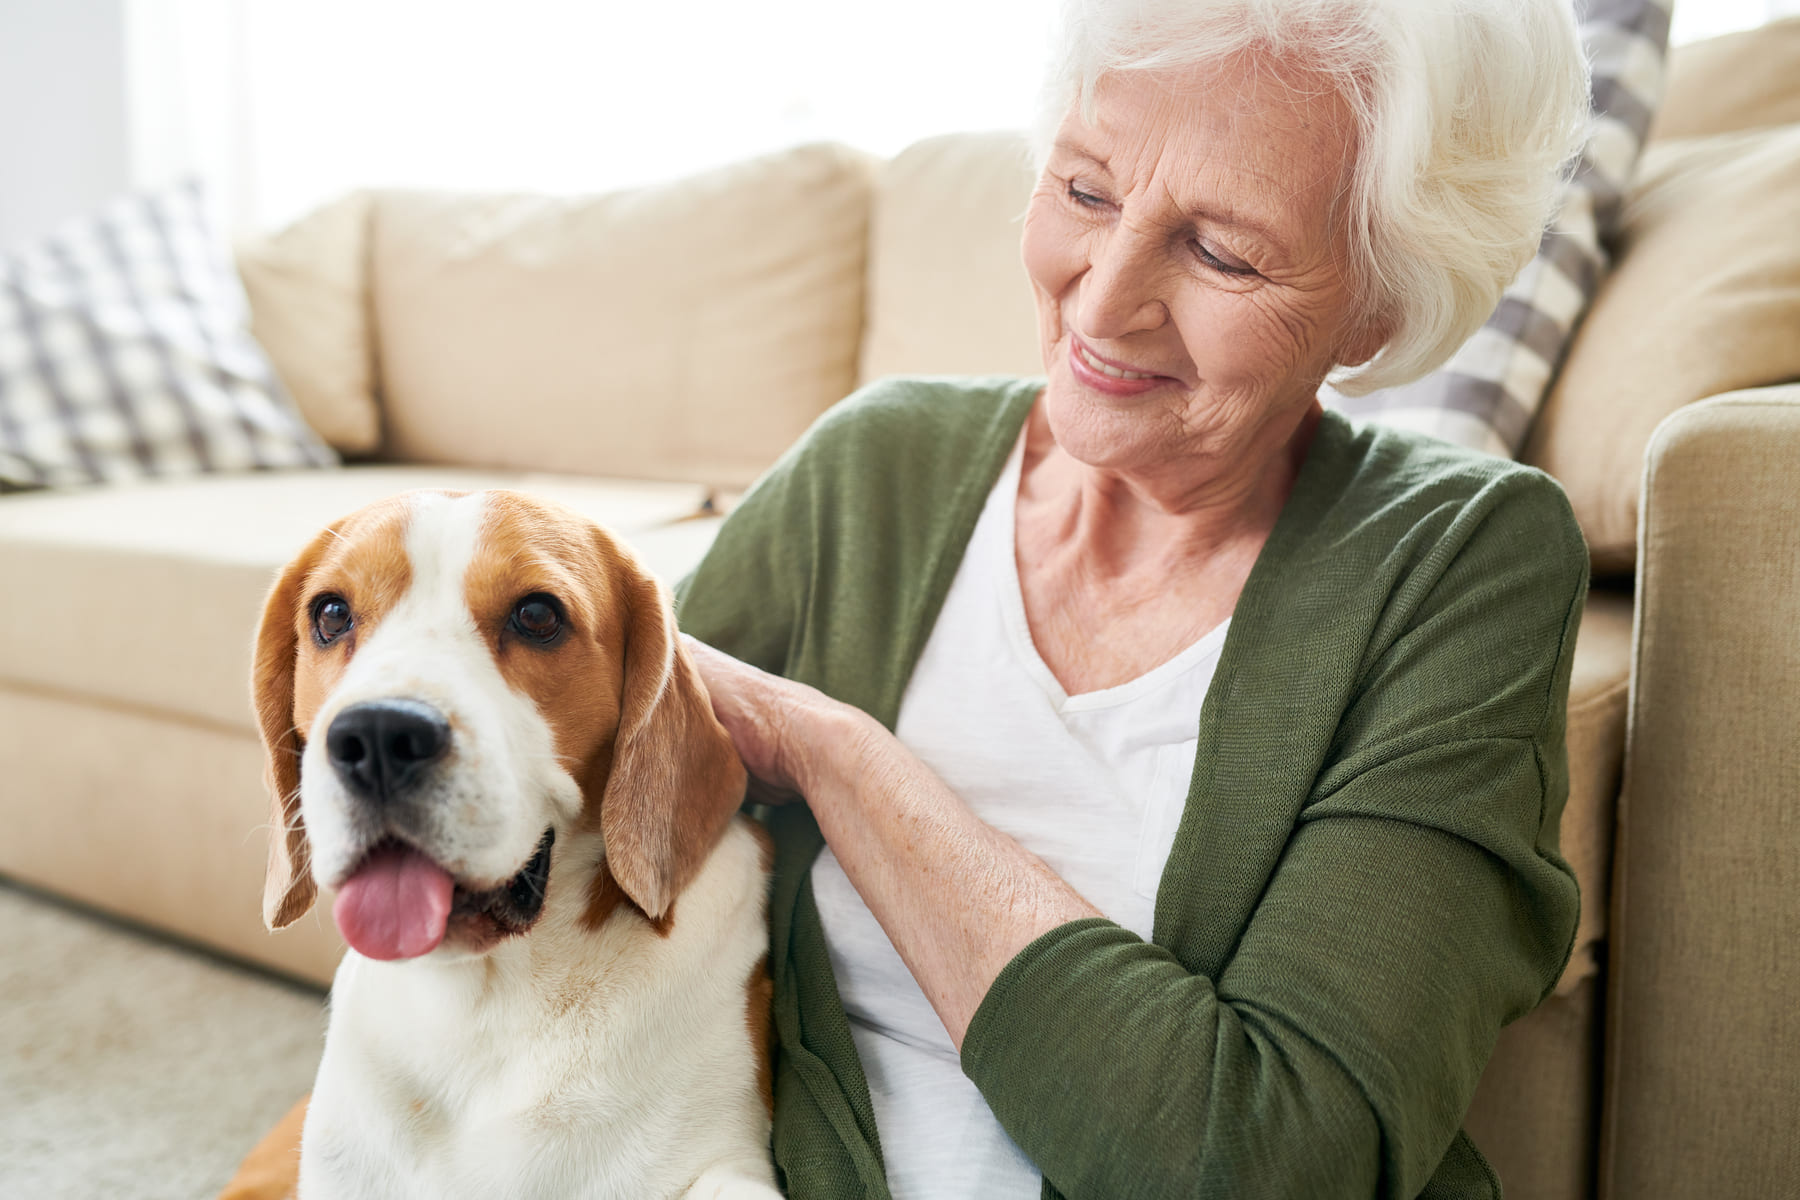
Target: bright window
[559, 95]
[284, 104]
[1696, 19]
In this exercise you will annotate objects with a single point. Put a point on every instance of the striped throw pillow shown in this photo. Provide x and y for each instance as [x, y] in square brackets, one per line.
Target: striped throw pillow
[125, 354]
[1487, 395]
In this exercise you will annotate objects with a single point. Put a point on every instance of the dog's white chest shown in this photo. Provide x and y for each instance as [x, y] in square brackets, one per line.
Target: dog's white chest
[629, 1072]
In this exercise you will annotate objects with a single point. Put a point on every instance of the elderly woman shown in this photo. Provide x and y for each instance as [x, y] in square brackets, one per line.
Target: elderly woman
[1181, 766]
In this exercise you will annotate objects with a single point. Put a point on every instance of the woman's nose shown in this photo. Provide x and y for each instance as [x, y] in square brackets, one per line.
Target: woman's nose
[1122, 289]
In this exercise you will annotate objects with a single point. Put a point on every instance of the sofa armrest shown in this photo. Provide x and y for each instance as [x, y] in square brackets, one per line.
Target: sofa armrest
[1702, 1088]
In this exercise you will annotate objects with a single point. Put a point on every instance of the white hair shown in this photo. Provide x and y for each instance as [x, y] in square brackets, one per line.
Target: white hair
[1467, 114]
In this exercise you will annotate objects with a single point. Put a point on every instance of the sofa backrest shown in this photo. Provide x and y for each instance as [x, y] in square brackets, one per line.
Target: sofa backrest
[689, 331]
[947, 293]
[692, 331]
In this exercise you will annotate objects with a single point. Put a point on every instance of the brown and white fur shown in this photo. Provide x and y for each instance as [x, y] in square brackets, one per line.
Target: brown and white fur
[608, 1041]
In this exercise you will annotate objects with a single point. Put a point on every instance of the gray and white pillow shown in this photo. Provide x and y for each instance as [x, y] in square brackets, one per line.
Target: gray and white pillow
[1487, 395]
[125, 354]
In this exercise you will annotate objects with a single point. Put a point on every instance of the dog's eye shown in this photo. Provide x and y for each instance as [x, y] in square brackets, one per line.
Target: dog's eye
[537, 618]
[331, 619]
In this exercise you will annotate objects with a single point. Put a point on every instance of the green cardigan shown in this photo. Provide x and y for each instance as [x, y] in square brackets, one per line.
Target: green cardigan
[1365, 885]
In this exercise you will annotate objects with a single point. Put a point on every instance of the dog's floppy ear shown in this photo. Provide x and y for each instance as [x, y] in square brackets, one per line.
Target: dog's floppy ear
[676, 779]
[288, 888]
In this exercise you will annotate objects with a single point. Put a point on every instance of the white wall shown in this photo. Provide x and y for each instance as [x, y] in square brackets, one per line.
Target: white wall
[63, 145]
[280, 104]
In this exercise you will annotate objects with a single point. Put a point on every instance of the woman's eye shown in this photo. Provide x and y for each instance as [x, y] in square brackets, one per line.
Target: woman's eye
[1085, 199]
[537, 618]
[331, 619]
[1222, 262]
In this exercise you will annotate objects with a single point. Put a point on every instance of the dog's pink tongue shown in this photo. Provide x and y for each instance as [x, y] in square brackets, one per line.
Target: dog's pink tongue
[395, 906]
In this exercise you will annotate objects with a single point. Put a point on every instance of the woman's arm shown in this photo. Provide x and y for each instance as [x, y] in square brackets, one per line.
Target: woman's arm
[1118, 1071]
[958, 899]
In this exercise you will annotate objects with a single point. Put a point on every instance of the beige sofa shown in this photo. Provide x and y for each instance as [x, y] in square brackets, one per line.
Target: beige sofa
[643, 356]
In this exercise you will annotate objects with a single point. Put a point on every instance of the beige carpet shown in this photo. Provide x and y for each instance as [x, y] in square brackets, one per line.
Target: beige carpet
[131, 1068]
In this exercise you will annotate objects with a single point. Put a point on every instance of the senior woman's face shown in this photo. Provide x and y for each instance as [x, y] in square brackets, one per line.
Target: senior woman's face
[1189, 258]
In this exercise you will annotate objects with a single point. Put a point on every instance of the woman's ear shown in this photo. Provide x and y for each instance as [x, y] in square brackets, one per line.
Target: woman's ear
[288, 887]
[676, 779]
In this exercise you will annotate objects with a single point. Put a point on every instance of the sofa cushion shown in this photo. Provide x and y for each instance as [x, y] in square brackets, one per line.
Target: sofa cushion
[947, 292]
[1705, 300]
[1535, 1115]
[309, 307]
[690, 331]
[124, 354]
[1599, 690]
[1747, 80]
[148, 595]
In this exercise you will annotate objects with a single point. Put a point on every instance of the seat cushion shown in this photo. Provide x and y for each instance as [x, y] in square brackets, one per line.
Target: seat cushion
[1598, 691]
[1536, 1112]
[148, 595]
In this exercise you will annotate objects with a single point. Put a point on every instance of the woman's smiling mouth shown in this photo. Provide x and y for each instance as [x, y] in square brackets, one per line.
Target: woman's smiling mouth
[1107, 376]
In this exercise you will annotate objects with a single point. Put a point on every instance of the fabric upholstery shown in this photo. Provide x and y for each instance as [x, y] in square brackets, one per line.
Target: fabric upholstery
[1486, 396]
[1747, 80]
[1703, 1032]
[1598, 690]
[1536, 1112]
[160, 821]
[123, 355]
[689, 331]
[950, 208]
[309, 306]
[152, 592]
[1705, 300]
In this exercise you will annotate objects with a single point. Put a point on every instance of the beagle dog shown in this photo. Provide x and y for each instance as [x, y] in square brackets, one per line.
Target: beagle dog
[484, 733]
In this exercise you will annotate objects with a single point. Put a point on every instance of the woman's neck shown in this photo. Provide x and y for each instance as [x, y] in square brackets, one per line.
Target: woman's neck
[1118, 572]
[1182, 512]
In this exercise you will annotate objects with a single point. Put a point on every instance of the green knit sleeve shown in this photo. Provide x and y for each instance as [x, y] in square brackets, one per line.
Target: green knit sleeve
[744, 596]
[1418, 905]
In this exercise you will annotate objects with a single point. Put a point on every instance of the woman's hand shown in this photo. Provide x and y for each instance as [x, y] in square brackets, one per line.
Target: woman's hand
[781, 729]
[957, 898]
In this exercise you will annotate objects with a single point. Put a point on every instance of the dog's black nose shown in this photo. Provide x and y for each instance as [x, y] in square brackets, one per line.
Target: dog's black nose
[381, 748]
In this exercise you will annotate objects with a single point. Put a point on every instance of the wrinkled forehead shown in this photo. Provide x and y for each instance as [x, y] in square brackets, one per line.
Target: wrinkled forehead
[1254, 139]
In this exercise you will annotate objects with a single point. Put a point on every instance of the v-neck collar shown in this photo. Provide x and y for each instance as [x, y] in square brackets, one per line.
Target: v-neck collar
[1004, 499]
[1247, 734]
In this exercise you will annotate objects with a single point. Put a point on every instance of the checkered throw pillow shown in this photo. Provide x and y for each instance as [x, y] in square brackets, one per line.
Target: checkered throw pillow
[125, 353]
[1486, 396]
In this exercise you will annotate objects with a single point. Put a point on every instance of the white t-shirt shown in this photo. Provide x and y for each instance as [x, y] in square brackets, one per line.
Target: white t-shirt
[1093, 784]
